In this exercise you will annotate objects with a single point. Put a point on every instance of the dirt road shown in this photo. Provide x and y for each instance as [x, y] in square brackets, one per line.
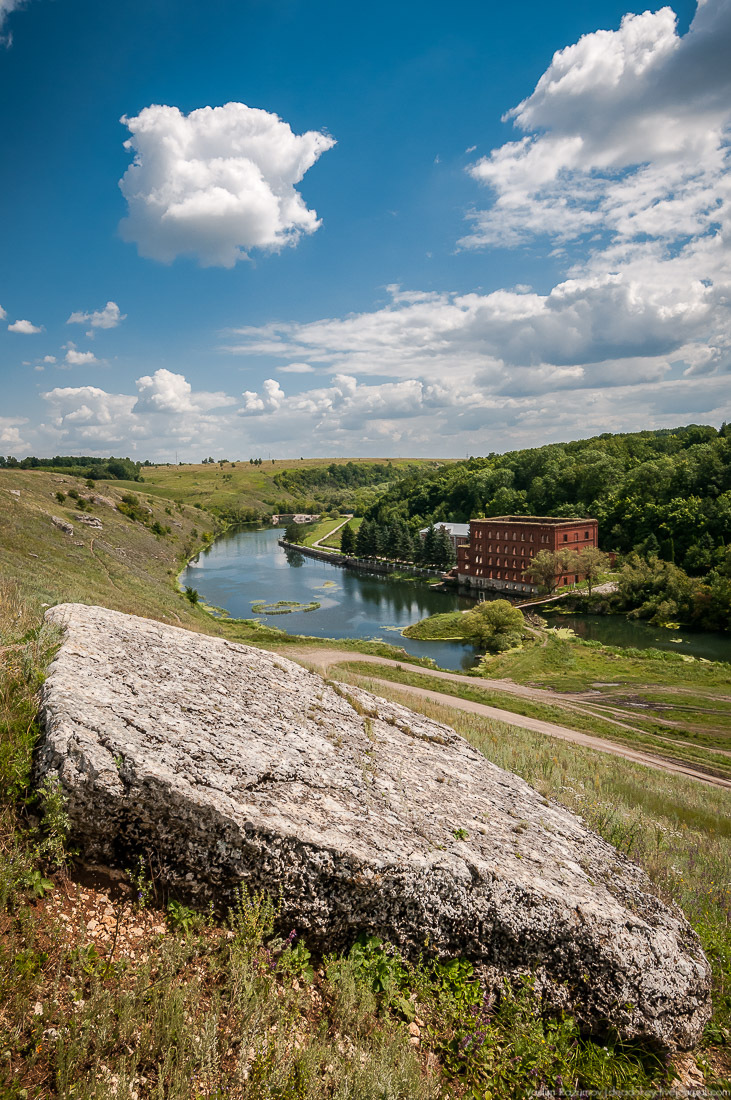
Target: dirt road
[323, 660]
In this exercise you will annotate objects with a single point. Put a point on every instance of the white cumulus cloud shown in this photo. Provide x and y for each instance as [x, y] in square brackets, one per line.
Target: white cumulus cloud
[165, 414]
[625, 132]
[216, 183]
[166, 392]
[10, 436]
[109, 317]
[3, 314]
[76, 358]
[24, 327]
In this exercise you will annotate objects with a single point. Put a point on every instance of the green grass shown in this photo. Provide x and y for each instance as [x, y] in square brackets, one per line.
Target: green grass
[319, 530]
[567, 665]
[677, 829]
[244, 486]
[683, 749]
[445, 626]
[213, 1010]
[334, 542]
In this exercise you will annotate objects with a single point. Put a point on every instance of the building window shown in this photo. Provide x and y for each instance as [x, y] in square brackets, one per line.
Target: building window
[566, 538]
[586, 534]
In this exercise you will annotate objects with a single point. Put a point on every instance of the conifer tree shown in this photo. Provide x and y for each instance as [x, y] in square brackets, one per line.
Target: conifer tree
[347, 540]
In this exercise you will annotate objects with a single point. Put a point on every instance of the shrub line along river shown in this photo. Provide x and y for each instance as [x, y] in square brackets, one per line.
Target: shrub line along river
[244, 567]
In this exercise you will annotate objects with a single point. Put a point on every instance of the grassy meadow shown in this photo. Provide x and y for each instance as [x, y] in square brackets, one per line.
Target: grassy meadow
[243, 485]
[112, 991]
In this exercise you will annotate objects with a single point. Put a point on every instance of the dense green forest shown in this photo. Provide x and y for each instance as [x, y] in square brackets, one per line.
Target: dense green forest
[350, 475]
[96, 469]
[666, 492]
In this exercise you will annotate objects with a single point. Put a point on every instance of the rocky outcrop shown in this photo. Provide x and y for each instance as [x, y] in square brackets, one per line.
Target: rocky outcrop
[227, 764]
[67, 528]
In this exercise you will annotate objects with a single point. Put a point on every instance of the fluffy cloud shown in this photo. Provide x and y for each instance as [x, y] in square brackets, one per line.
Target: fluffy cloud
[74, 358]
[24, 327]
[10, 436]
[624, 157]
[216, 183]
[165, 414]
[3, 314]
[583, 321]
[269, 400]
[626, 132]
[109, 317]
[166, 392]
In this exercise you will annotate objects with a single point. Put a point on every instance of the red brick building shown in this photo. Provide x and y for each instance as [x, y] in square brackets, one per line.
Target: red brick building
[500, 548]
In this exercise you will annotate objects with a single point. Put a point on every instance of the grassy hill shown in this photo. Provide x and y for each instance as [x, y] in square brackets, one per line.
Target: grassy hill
[243, 486]
[112, 991]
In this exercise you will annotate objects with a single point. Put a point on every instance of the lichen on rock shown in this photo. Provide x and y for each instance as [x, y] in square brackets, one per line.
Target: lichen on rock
[227, 764]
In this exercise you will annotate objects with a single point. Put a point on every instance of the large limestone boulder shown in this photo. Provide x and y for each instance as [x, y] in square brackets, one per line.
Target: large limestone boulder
[227, 764]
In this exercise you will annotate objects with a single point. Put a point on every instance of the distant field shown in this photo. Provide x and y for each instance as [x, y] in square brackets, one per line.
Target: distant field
[243, 485]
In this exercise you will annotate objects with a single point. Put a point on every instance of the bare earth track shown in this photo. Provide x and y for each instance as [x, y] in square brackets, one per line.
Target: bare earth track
[323, 661]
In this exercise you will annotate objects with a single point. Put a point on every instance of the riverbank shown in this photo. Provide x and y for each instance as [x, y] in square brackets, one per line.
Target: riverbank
[399, 570]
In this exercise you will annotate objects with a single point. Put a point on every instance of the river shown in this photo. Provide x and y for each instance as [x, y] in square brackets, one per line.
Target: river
[245, 565]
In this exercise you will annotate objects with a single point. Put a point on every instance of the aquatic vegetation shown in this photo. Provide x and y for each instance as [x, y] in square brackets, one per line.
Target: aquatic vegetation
[282, 607]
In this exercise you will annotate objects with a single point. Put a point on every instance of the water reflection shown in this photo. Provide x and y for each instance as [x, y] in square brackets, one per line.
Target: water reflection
[247, 565]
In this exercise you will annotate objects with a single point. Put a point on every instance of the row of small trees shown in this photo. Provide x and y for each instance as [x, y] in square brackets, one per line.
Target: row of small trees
[396, 542]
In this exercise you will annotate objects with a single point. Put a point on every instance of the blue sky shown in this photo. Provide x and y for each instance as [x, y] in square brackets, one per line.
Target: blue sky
[397, 230]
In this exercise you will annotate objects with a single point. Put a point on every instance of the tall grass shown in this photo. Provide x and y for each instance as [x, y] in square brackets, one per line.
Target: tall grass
[674, 827]
[231, 1010]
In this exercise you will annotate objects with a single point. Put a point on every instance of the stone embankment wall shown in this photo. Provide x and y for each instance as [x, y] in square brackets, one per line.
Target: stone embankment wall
[366, 565]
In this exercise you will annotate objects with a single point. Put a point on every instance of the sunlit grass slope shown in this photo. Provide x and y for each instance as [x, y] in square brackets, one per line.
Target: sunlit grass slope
[243, 485]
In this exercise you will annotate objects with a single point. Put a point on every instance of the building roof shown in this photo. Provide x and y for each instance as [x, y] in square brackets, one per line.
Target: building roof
[456, 529]
[553, 520]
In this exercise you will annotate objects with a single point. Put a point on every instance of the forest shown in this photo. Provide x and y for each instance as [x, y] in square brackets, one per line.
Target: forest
[96, 469]
[665, 492]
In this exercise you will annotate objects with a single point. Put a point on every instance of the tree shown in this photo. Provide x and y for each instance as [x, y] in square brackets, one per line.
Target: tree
[428, 546]
[591, 563]
[295, 532]
[347, 540]
[546, 567]
[444, 556]
[365, 540]
[493, 626]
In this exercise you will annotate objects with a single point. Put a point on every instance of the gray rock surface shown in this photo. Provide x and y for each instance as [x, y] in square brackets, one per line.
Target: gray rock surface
[67, 528]
[228, 764]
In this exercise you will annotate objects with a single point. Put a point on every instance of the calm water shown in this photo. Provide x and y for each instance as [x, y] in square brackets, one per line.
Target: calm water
[244, 566]
[616, 630]
[247, 565]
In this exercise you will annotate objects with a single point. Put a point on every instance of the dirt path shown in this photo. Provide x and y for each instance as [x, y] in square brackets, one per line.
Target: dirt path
[323, 659]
